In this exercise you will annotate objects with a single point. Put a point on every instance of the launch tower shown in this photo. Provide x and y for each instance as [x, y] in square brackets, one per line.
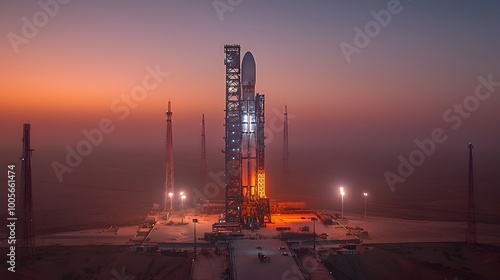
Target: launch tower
[246, 200]
[233, 133]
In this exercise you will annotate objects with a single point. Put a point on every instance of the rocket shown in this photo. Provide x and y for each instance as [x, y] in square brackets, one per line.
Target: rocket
[248, 114]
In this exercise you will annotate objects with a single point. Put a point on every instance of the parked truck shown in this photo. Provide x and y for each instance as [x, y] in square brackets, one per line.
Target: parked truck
[263, 258]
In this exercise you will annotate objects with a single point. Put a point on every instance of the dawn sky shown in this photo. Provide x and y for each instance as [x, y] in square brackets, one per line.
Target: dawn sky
[351, 116]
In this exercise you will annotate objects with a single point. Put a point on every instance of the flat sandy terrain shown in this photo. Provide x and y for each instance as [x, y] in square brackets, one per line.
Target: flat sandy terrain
[414, 261]
[98, 262]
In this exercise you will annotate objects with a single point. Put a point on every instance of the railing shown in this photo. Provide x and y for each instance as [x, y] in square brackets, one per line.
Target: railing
[305, 275]
[232, 262]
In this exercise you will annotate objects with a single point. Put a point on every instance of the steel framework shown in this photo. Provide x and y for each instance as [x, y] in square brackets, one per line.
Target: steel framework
[233, 133]
[258, 210]
[261, 172]
[169, 162]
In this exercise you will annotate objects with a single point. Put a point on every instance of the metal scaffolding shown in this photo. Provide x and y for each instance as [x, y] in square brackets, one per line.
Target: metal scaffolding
[261, 172]
[233, 133]
[169, 162]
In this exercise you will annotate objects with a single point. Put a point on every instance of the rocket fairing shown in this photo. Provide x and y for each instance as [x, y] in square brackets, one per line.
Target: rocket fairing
[248, 114]
[248, 75]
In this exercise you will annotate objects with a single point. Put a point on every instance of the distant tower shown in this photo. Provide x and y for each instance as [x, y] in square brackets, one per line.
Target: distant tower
[203, 175]
[169, 164]
[471, 214]
[285, 147]
[28, 238]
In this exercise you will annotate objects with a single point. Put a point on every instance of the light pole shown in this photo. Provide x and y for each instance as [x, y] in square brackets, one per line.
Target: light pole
[365, 195]
[314, 237]
[342, 194]
[183, 196]
[165, 202]
[171, 195]
[194, 223]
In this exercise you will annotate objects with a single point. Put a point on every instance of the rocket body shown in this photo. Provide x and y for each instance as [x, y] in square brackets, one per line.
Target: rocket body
[248, 113]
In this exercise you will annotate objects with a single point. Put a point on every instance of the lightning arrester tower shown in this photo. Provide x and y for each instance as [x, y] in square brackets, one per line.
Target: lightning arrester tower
[471, 213]
[28, 255]
[169, 163]
[203, 175]
[285, 147]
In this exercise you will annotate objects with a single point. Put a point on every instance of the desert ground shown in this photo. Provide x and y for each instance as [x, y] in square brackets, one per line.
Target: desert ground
[412, 249]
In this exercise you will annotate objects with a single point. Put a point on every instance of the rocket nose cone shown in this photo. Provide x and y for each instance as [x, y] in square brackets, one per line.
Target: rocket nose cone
[248, 68]
[248, 76]
[248, 59]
